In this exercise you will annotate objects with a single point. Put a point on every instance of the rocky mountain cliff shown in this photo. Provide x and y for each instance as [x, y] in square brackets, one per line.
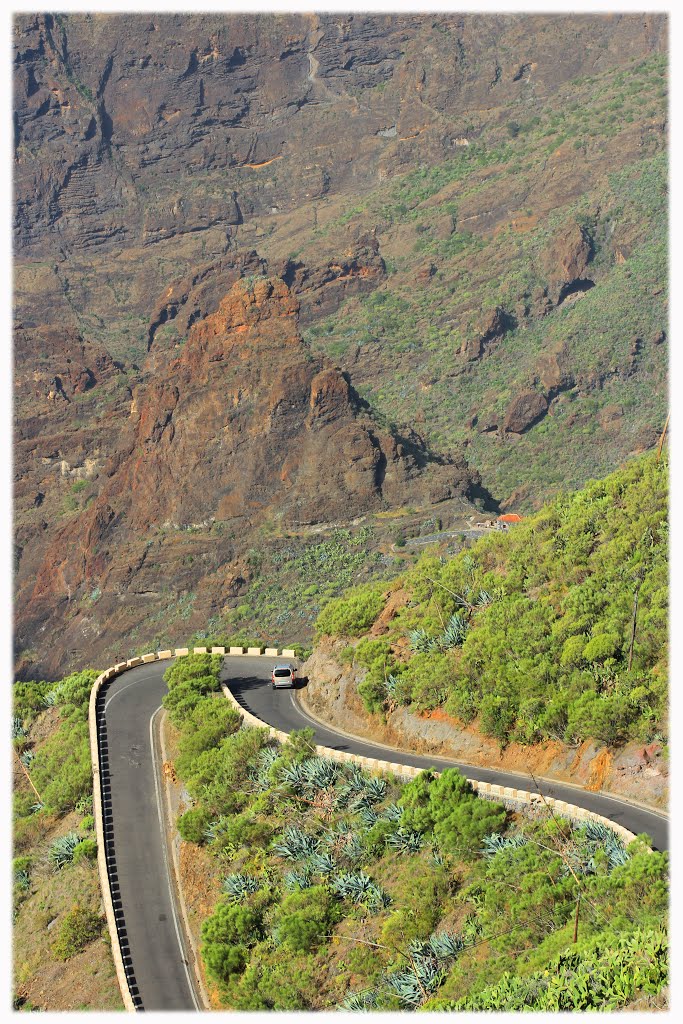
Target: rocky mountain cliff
[244, 424]
[327, 265]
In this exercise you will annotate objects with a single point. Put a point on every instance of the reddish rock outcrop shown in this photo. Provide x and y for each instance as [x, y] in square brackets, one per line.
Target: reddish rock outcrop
[243, 425]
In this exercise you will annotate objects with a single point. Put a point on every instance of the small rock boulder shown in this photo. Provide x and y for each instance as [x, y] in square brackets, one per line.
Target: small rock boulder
[524, 410]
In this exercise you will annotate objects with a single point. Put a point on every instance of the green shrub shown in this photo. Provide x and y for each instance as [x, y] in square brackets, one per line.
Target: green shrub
[208, 722]
[416, 803]
[305, 919]
[353, 613]
[192, 823]
[194, 666]
[86, 850]
[496, 717]
[78, 929]
[217, 777]
[61, 769]
[227, 936]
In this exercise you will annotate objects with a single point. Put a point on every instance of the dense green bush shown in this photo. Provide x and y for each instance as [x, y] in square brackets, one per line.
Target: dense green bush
[209, 721]
[192, 823]
[353, 613]
[305, 918]
[449, 808]
[227, 935]
[61, 769]
[194, 666]
[604, 976]
[548, 609]
[86, 850]
[217, 776]
[77, 930]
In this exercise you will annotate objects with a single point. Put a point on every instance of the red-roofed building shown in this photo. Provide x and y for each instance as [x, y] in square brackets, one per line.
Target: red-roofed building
[510, 517]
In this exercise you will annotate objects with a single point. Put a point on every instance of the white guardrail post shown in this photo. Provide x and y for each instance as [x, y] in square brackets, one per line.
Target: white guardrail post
[486, 790]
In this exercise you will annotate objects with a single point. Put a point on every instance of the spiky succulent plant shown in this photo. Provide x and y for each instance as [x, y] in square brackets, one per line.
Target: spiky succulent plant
[405, 841]
[495, 843]
[238, 885]
[294, 844]
[322, 864]
[62, 850]
[18, 731]
[360, 1002]
[293, 880]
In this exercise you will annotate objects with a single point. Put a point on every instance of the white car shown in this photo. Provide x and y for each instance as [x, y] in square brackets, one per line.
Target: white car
[284, 675]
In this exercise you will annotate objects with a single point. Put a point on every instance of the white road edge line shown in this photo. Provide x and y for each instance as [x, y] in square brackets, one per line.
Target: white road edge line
[157, 791]
[526, 778]
[123, 689]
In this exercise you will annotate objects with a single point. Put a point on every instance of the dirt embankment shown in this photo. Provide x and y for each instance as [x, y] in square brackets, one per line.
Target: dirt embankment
[635, 772]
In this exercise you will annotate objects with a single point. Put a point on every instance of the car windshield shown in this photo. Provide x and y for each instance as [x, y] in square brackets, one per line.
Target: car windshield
[283, 672]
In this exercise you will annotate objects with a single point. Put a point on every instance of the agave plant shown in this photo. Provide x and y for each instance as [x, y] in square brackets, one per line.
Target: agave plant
[406, 986]
[62, 850]
[52, 697]
[484, 599]
[293, 775]
[377, 898]
[238, 886]
[297, 879]
[445, 945]
[322, 864]
[420, 641]
[335, 838]
[18, 731]
[454, 633]
[355, 784]
[391, 686]
[494, 843]
[360, 1002]
[393, 812]
[365, 812]
[215, 829]
[436, 856]
[319, 773]
[38, 806]
[598, 837]
[353, 849]
[405, 841]
[22, 880]
[27, 758]
[265, 759]
[355, 886]
[375, 790]
[294, 844]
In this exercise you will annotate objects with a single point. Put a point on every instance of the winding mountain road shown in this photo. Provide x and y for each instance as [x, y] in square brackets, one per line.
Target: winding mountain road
[154, 939]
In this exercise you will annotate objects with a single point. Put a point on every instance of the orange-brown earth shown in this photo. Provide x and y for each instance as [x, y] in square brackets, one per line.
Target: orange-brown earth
[634, 771]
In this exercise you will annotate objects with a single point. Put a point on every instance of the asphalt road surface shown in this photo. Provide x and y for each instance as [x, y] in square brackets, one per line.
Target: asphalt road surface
[163, 977]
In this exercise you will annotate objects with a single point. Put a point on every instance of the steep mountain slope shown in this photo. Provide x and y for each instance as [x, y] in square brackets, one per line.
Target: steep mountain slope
[544, 638]
[242, 423]
[470, 212]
